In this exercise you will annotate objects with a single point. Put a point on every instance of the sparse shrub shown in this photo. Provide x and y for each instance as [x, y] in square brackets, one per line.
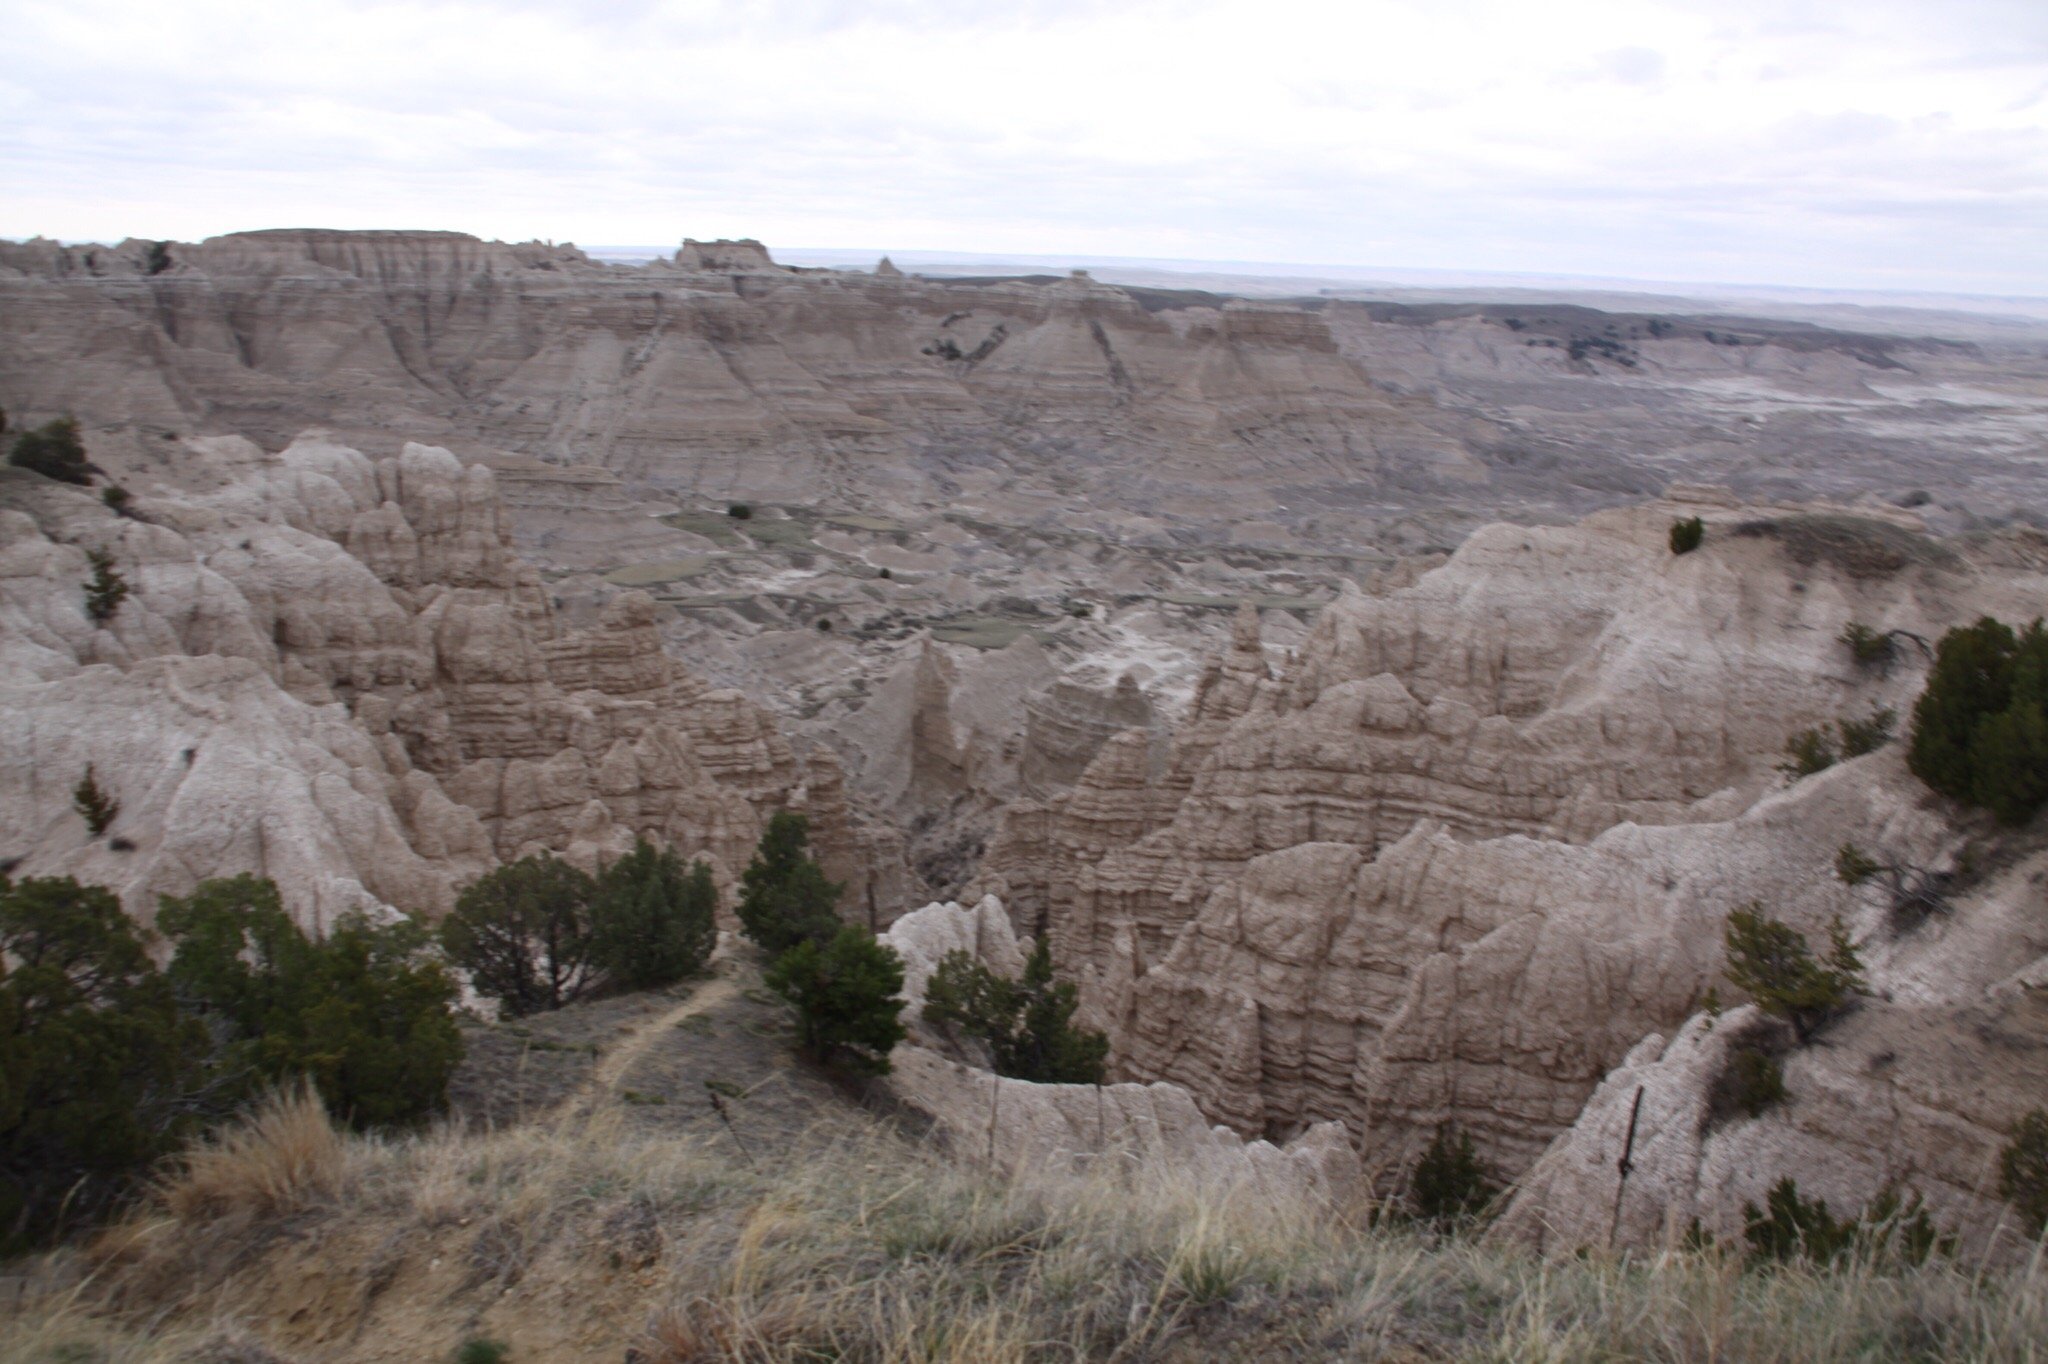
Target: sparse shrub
[523, 932]
[1027, 1024]
[825, 624]
[1772, 963]
[1870, 648]
[97, 1065]
[1867, 735]
[1790, 1228]
[106, 589]
[1752, 1083]
[482, 1350]
[98, 809]
[362, 1013]
[1980, 728]
[884, 573]
[652, 923]
[117, 498]
[1908, 893]
[1450, 1186]
[159, 257]
[2023, 1171]
[848, 997]
[1807, 752]
[785, 897]
[740, 511]
[53, 450]
[1815, 750]
[1687, 534]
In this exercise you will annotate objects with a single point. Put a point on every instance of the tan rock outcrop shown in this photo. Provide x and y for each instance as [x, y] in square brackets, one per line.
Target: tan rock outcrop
[1480, 837]
[399, 668]
[1144, 1131]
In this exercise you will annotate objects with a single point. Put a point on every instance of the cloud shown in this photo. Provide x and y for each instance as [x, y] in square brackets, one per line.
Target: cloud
[1773, 141]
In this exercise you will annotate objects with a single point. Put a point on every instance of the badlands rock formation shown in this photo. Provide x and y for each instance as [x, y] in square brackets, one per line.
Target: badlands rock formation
[1146, 1132]
[1456, 860]
[332, 670]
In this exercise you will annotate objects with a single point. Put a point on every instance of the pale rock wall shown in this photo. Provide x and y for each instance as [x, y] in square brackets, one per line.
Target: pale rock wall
[1145, 1130]
[1480, 837]
[354, 640]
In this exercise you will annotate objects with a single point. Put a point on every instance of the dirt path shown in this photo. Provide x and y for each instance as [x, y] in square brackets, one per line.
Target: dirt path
[619, 1059]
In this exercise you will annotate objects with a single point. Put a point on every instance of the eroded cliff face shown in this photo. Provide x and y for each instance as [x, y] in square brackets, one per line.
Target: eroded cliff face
[1456, 858]
[715, 373]
[332, 670]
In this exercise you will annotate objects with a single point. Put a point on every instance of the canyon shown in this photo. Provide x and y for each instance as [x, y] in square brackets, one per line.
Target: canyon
[1316, 674]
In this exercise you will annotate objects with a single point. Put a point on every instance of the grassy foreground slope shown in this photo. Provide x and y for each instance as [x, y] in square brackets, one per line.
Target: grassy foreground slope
[607, 1228]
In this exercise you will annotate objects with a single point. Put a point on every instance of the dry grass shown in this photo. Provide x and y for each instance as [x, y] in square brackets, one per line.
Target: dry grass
[284, 1156]
[581, 1240]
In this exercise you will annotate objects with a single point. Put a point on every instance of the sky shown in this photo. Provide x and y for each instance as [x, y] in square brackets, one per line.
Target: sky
[1894, 144]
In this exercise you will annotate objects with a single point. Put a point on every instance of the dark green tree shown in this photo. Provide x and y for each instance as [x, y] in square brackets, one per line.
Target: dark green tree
[1450, 1186]
[652, 924]
[1980, 727]
[159, 257]
[1687, 534]
[53, 450]
[523, 932]
[848, 997]
[94, 806]
[2023, 1171]
[106, 589]
[364, 1012]
[1027, 1024]
[97, 1066]
[1893, 1228]
[1772, 963]
[785, 897]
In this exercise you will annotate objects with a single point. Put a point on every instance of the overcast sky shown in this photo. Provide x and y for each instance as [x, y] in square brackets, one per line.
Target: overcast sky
[1864, 143]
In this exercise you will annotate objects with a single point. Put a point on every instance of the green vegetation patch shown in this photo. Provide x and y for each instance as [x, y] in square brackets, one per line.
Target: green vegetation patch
[659, 572]
[984, 632]
[716, 526]
[879, 525]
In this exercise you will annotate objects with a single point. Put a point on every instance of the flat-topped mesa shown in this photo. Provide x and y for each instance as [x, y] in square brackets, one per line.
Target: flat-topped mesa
[740, 256]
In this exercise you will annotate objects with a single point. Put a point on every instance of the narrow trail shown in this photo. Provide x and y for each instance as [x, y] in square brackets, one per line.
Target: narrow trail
[616, 1062]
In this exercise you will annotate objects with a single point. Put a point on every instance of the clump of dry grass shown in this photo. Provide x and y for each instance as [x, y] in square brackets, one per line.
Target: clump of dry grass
[281, 1157]
[854, 1243]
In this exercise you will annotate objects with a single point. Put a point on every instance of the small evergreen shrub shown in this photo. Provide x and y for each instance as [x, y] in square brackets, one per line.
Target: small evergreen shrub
[100, 1072]
[523, 932]
[1815, 750]
[94, 806]
[785, 897]
[53, 450]
[1752, 1084]
[848, 997]
[652, 923]
[1687, 534]
[106, 589]
[2023, 1171]
[117, 498]
[740, 511]
[1450, 1186]
[364, 1013]
[1869, 648]
[159, 258]
[1027, 1024]
[1790, 1228]
[1807, 752]
[1772, 963]
[1980, 728]
[1867, 735]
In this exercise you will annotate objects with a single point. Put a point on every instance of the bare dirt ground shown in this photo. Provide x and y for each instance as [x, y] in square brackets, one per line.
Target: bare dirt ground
[659, 1057]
